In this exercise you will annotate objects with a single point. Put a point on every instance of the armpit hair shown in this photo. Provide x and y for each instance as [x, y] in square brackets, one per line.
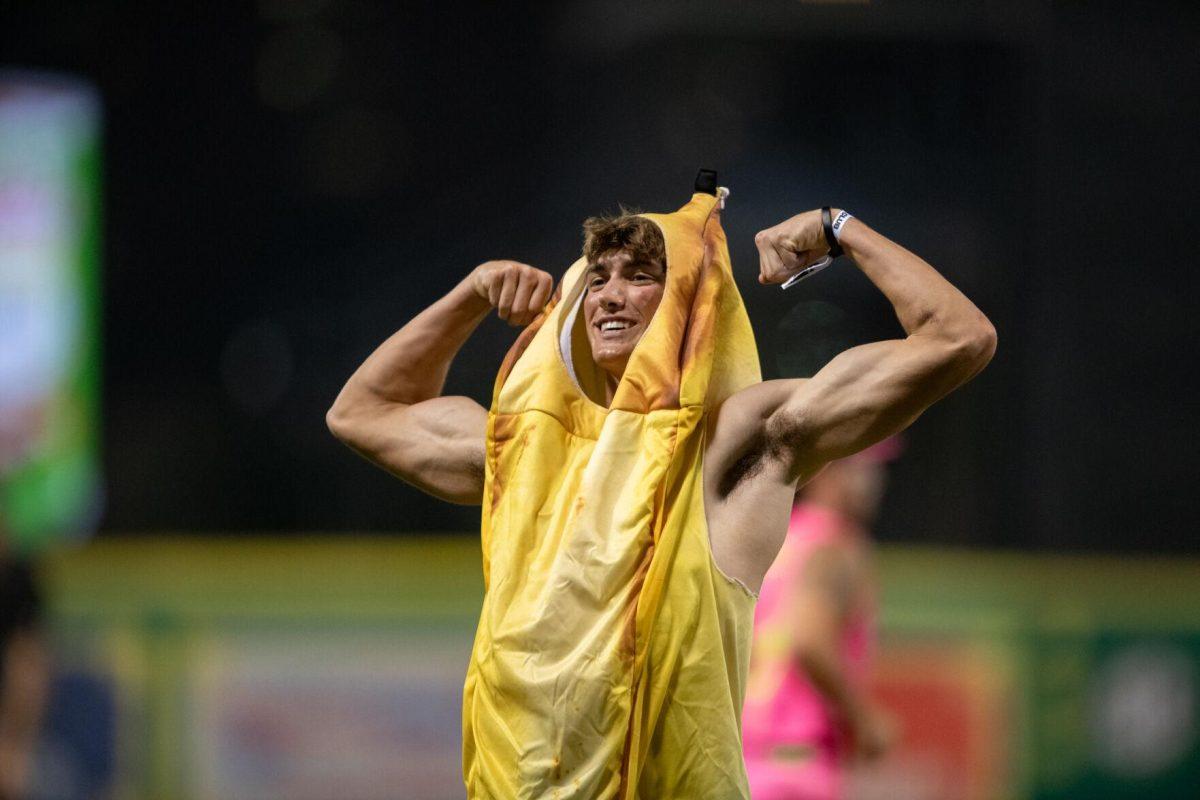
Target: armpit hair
[777, 440]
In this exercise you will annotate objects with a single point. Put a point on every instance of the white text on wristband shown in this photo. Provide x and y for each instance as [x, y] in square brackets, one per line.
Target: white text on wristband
[839, 222]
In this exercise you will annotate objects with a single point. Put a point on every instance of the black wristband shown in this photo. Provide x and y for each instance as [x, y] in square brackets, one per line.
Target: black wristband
[835, 248]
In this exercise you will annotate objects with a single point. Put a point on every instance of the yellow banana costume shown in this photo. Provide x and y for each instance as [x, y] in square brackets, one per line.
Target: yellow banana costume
[610, 659]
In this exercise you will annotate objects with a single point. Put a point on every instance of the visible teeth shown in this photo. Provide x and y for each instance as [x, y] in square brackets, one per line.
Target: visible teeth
[614, 325]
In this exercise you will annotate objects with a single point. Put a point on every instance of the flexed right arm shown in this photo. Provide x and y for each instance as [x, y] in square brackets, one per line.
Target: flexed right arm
[391, 410]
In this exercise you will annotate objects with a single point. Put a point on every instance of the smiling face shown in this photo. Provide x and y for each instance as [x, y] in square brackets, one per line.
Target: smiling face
[623, 292]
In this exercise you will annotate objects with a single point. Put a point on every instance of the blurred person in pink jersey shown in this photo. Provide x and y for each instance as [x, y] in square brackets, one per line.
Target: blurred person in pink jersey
[807, 713]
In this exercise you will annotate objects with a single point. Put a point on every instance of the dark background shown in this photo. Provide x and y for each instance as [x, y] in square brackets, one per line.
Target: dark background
[288, 182]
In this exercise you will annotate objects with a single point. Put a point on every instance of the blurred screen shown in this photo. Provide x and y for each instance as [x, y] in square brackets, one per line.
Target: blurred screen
[49, 372]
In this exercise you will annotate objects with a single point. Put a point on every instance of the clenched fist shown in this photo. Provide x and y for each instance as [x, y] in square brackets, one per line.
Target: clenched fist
[517, 291]
[790, 246]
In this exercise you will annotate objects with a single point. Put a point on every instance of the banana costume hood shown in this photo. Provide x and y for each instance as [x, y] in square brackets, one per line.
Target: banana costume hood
[610, 659]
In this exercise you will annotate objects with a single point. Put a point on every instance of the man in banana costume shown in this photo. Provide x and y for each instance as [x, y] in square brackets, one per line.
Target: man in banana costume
[636, 477]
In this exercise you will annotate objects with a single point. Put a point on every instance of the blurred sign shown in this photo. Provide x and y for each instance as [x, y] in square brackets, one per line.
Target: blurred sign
[1120, 712]
[954, 704]
[334, 667]
[320, 714]
[49, 255]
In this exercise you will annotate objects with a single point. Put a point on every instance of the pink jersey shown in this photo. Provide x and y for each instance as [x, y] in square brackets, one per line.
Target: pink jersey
[791, 739]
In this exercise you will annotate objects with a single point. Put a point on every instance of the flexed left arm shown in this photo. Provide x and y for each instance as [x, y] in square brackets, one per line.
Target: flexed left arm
[870, 392]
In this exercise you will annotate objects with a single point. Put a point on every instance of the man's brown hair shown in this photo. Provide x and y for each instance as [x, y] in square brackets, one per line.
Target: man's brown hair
[626, 231]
